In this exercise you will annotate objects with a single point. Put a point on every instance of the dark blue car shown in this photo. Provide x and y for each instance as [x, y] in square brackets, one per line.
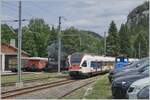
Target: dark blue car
[120, 62]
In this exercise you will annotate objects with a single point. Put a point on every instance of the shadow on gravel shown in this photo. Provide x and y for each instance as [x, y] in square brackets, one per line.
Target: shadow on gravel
[110, 97]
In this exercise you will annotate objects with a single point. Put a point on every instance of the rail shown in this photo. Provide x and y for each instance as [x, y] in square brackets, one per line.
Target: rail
[12, 93]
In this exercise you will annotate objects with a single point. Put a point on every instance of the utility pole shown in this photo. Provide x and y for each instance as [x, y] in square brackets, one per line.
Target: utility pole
[80, 40]
[105, 43]
[59, 44]
[139, 50]
[19, 47]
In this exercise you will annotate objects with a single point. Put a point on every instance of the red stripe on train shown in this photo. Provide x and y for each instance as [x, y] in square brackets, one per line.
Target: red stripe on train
[74, 67]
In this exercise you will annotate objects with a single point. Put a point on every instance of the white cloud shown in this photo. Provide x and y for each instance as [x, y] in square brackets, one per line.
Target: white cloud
[8, 17]
[97, 14]
[94, 15]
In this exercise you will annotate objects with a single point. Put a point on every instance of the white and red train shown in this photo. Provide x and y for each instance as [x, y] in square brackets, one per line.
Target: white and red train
[86, 65]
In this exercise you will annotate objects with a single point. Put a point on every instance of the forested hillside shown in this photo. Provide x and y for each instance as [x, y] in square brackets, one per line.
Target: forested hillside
[39, 38]
[138, 23]
[132, 38]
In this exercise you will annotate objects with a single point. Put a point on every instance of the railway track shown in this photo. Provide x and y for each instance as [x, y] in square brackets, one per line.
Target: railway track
[13, 74]
[68, 93]
[16, 92]
[31, 80]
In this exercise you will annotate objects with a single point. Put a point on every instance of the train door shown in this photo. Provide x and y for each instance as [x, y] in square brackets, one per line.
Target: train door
[94, 65]
[99, 65]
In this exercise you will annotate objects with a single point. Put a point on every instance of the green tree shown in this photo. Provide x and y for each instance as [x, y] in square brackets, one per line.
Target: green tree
[36, 39]
[74, 40]
[113, 47]
[52, 36]
[71, 40]
[7, 34]
[124, 40]
[28, 43]
[140, 40]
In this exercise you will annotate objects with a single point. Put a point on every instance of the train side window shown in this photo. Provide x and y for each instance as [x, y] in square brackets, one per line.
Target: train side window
[84, 64]
[93, 64]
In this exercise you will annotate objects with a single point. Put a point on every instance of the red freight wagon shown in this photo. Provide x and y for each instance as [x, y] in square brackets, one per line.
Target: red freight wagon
[36, 64]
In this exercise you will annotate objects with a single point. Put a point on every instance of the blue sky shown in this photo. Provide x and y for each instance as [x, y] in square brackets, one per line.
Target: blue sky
[93, 15]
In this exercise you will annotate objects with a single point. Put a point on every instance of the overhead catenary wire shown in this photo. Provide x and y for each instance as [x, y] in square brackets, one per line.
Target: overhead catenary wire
[12, 10]
[15, 8]
[73, 35]
[11, 29]
[40, 8]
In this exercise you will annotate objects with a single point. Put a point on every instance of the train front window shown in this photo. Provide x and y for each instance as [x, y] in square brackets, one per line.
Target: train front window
[75, 61]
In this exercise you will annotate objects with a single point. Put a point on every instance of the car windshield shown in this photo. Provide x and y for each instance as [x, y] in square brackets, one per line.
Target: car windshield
[146, 71]
[137, 64]
[145, 63]
[132, 65]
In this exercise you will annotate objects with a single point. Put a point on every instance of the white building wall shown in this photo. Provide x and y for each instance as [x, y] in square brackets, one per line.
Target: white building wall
[2, 62]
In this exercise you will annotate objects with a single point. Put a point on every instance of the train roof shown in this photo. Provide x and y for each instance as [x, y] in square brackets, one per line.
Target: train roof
[100, 57]
[38, 58]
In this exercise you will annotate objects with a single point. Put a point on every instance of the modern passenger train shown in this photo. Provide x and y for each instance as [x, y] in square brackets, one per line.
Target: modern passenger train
[86, 65]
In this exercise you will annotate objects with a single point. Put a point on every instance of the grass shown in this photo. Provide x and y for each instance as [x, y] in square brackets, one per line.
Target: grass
[101, 89]
[30, 76]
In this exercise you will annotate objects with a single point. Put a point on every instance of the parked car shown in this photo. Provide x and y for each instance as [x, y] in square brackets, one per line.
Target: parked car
[135, 71]
[144, 93]
[120, 85]
[131, 66]
[136, 87]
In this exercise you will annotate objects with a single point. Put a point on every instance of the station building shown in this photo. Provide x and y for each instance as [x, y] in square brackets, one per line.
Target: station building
[8, 56]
